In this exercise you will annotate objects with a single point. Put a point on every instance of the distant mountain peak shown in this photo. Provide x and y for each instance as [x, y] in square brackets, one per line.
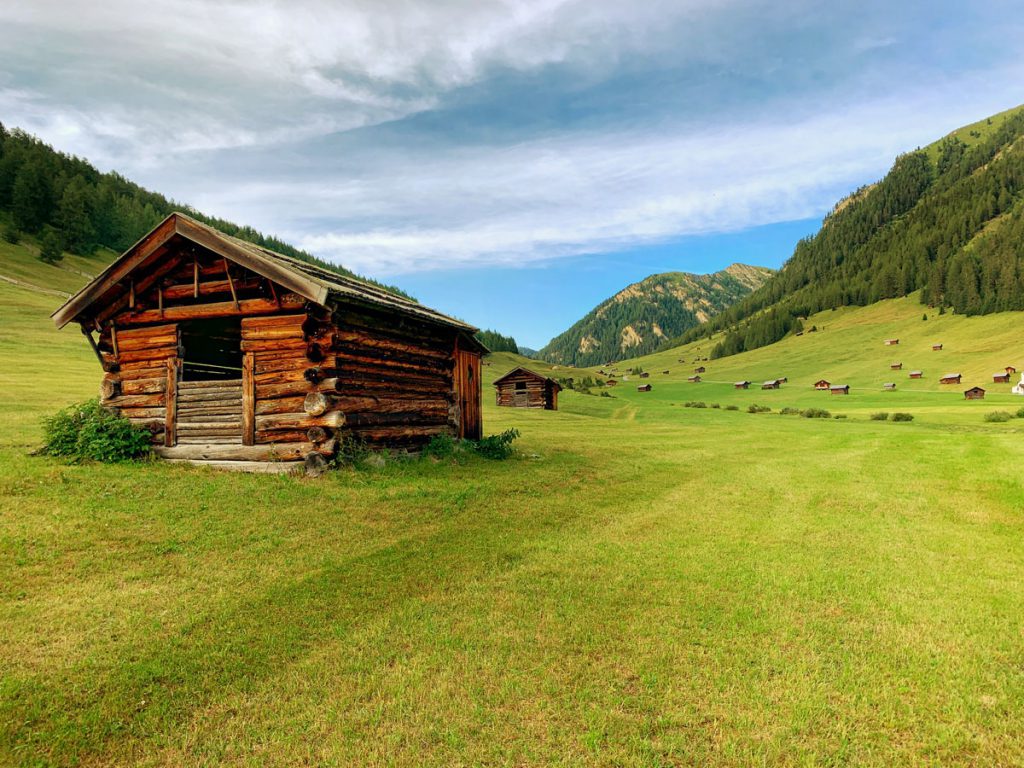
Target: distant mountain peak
[646, 314]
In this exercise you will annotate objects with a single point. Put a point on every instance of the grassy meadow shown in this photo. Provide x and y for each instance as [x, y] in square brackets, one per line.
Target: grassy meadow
[644, 584]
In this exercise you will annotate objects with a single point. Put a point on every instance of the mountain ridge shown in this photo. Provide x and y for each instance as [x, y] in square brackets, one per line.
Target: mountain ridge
[644, 315]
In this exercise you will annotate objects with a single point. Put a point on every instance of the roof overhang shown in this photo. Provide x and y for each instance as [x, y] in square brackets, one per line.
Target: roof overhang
[177, 224]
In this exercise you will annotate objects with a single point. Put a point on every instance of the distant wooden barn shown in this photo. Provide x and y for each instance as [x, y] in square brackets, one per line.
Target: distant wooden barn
[644, 388]
[889, 386]
[895, 366]
[773, 384]
[839, 389]
[974, 393]
[1000, 378]
[936, 347]
[700, 369]
[822, 384]
[227, 351]
[611, 383]
[645, 375]
[951, 378]
[1010, 369]
[694, 379]
[522, 388]
[741, 385]
[783, 379]
[917, 374]
[666, 372]
[891, 342]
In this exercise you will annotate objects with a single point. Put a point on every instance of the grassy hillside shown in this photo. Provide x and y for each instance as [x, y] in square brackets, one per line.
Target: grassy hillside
[645, 315]
[644, 584]
[946, 221]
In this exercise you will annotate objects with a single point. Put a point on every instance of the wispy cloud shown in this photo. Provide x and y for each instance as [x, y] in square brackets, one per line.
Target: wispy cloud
[398, 135]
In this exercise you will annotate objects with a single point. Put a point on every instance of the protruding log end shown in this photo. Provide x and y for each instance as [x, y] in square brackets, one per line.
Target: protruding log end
[109, 389]
[318, 434]
[316, 403]
[315, 353]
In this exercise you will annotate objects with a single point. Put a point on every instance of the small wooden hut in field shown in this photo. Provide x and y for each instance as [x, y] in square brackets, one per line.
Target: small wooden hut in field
[891, 342]
[771, 384]
[839, 389]
[645, 375]
[700, 369]
[520, 388]
[644, 388]
[1010, 369]
[917, 374]
[611, 383]
[936, 347]
[822, 384]
[951, 378]
[228, 351]
[974, 393]
[895, 366]
[695, 379]
[889, 386]
[1001, 378]
[741, 385]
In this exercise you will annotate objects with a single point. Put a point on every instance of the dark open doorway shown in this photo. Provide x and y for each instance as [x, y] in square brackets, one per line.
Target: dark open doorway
[212, 349]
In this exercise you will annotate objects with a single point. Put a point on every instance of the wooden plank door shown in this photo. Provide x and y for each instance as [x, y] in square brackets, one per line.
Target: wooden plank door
[468, 394]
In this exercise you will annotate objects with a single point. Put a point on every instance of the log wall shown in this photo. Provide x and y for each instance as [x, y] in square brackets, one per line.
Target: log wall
[525, 391]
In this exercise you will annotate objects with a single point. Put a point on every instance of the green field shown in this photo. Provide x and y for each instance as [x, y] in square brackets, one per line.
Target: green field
[645, 584]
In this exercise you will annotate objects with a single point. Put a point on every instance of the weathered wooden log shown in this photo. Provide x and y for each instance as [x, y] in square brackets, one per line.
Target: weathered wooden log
[280, 405]
[389, 403]
[209, 384]
[250, 324]
[272, 362]
[150, 386]
[313, 328]
[171, 401]
[280, 436]
[316, 403]
[401, 434]
[144, 414]
[278, 451]
[174, 292]
[150, 331]
[277, 377]
[211, 310]
[295, 346]
[345, 338]
[393, 326]
[142, 355]
[136, 401]
[283, 389]
[248, 400]
[273, 333]
[303, 421]
[319, 373]
[402, 362]
[147, 342]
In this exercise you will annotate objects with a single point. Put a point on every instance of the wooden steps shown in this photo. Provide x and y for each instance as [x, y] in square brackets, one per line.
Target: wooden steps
[261, 467]
[210, 412]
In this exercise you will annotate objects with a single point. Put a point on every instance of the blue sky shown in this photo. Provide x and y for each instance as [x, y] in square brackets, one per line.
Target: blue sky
[510, 162]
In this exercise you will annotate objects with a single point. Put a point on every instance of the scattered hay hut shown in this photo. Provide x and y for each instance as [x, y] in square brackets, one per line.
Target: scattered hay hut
[522, 388]
[1010, 369]
[951, 378]
[974, 393]
[645, 375]
[666, 373]
[936, 347]
[695, 379]
[822, 384]
[772, 384]
[1000, 378]
[741, 385]
[229, 352]
[891, 342]
[889, 386]
[917, 374]
[700, 369]
[644, 388]
[611, 383]
[839, 389]
[895, 366]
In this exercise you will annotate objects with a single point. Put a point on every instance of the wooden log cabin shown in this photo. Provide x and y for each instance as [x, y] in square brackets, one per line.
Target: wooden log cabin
[521, 388]
[974, 393]
[228, 352]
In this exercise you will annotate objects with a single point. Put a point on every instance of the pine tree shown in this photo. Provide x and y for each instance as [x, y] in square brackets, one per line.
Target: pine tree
[50, 249]
[32, 196]
[74, 217]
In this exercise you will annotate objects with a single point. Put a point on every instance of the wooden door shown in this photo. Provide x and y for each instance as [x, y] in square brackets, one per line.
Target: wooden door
[468, 394]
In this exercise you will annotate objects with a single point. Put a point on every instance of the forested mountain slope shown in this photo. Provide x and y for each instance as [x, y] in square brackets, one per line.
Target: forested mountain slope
[65, 204]
[643, 316]
[947, 220]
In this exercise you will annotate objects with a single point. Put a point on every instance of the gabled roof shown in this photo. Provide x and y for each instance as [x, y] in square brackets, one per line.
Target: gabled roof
[529, 373]
[318, 285]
